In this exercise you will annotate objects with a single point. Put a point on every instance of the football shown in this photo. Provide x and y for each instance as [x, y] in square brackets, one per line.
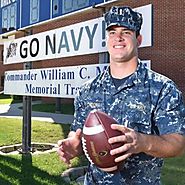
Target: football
[96, 132]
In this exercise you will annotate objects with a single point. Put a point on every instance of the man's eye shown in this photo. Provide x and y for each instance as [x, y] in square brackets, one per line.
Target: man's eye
[112, 32]
[126, 33]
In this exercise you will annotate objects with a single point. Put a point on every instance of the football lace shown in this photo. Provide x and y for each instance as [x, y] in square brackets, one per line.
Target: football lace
[85, 150]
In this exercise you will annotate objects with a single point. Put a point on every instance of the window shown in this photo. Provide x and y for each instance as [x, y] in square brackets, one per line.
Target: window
[9, 17]
[73, 5]
[34, 11]
[12, 16]
[5, 18]
[55, 7]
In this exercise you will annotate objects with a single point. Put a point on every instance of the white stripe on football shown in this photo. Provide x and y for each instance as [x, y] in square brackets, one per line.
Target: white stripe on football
[93, 130]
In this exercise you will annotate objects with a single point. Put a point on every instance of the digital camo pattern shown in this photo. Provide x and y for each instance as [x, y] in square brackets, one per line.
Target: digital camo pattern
[123, 16]
[147, 102]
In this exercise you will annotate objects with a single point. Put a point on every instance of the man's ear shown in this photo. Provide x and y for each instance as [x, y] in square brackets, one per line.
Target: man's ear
[139, 40]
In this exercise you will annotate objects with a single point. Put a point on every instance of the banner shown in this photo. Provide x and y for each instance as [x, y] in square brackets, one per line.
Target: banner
[78, 39]
[51, 82]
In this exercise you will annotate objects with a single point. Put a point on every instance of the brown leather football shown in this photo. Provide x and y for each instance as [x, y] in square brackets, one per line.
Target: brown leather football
[96, 132]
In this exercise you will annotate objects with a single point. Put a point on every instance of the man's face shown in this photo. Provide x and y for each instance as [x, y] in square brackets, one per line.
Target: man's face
[122, 44]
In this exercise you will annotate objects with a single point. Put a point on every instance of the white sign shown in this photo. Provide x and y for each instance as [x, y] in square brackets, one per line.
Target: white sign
[77, 39]
[51, 82]
[146, 30]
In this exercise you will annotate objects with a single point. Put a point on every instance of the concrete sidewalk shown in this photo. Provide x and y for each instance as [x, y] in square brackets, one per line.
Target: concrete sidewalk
[13, 111]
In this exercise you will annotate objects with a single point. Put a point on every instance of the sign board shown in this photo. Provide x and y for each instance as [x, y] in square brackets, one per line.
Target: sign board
[77, 39]
[51, 82]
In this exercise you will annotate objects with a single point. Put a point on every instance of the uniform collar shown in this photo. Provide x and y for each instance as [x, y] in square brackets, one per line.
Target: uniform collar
[134, 79]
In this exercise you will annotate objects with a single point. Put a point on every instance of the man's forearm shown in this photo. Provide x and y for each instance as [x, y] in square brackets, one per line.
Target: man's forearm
[169, 145]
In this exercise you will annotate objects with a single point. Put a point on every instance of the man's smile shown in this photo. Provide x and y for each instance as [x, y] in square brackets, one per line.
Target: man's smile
[118, 46]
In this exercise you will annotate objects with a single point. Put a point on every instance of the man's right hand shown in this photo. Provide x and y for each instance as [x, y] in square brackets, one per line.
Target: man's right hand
[70, 147]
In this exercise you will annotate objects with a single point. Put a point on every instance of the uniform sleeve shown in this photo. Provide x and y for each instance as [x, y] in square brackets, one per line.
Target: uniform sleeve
[79, 113]
[170, 112]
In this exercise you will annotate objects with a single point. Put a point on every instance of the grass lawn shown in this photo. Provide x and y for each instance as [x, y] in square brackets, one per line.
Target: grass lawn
[5, 99]
[32, 169]
[8, 99]
[174, 171]
[11, 131]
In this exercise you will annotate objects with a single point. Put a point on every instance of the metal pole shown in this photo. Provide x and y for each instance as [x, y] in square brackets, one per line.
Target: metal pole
[26, 131]
[58, 105]
[27, 111]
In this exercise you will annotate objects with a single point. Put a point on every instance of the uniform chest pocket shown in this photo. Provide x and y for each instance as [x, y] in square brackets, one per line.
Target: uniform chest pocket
[139, 117]
[140, 121]
[142, 127]
[98, 105]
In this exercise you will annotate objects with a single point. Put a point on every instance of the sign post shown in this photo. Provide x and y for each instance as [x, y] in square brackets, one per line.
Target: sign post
[58, 105]
[27, 110]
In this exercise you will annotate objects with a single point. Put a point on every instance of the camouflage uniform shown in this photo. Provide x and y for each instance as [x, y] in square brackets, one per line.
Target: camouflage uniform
[147, 102]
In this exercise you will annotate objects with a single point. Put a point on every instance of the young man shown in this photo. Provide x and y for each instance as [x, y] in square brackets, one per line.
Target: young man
[148, 107]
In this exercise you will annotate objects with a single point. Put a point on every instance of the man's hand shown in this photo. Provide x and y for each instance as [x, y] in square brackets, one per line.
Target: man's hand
[70, 147]
[133, 142]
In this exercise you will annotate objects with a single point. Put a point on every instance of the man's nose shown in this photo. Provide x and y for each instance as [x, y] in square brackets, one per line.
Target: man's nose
[119, 37]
